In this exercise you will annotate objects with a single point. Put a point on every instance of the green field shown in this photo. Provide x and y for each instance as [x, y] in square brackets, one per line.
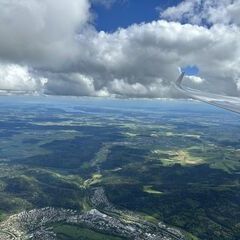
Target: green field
[71, 232]
[163, 163]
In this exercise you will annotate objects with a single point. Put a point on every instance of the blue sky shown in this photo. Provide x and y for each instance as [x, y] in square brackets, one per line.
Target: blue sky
[124, 13]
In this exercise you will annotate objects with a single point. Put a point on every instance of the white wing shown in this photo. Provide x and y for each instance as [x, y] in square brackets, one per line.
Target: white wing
[228, 103]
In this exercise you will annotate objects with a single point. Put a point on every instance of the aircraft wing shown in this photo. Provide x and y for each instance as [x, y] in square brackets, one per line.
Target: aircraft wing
[225, 102]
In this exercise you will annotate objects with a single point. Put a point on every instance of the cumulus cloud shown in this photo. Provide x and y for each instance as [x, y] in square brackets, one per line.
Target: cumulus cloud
[205, 12]
[41, 32]
[196, 79]
[16, 77]
[123, 88]
[149, 54]
[75, 84]
[55, 40]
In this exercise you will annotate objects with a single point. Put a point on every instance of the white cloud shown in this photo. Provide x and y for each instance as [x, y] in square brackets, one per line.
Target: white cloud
[121, 87]
[54, 40]
[149, 54]
[16, 77]
[73, 84]
[205, 11]
[41, 32]
[195, 79]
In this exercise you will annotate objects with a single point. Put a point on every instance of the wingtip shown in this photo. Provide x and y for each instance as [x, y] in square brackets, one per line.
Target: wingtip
[179, 80]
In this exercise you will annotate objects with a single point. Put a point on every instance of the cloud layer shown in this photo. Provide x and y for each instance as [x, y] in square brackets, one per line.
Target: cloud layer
[205, 12]
[55, 49]
[15, 77]
[41, 33]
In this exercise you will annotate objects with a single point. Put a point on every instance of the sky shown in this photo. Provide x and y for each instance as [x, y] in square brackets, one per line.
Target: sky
[123, 13]
[119, 48]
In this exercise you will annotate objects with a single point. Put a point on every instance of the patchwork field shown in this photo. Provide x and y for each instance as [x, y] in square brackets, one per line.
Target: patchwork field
[172, 162]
